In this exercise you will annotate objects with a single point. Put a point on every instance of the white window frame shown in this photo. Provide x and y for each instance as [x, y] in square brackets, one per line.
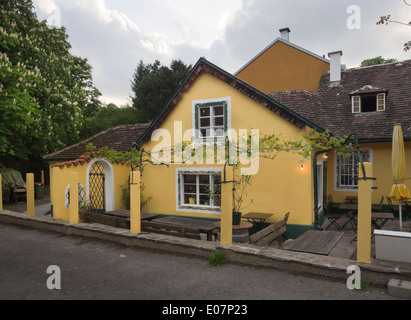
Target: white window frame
[338, 187]
[211, 208]
[357, 99]
[197, 104]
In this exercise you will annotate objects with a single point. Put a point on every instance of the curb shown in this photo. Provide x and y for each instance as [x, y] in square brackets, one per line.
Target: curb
[378, 273]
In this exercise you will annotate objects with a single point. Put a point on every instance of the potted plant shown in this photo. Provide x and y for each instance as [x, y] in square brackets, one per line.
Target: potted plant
[239, 197]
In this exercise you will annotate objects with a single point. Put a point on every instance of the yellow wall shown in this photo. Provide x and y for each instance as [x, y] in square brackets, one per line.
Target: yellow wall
[282, 67]
[381, 168]
[280, 185]
[120, 174]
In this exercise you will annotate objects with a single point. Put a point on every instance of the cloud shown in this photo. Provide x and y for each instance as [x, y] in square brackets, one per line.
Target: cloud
[115, 35]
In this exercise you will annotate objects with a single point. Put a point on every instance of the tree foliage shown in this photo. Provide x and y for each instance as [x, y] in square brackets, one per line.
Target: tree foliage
[153, 85]
[375, 61]
[45, 92]
[108, 116]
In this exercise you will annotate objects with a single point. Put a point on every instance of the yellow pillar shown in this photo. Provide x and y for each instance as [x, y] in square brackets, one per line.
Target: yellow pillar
[30, 195]
[226, 237]
[42, 176]
[74, 179]
[364, 215]
[135, 214]
[1, 195]
[58, 194]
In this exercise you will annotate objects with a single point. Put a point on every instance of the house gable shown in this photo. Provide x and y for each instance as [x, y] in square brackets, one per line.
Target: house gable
[284, 66]
[205, 67]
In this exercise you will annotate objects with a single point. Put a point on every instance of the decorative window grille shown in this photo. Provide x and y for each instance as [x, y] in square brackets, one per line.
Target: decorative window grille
[347, 169]
[81, 196]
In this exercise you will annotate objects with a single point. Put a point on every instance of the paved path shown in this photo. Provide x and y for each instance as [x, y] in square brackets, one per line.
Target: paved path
[98, 270]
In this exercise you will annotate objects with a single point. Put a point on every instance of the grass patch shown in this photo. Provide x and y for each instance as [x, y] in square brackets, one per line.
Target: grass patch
[366, 286]
[219, 258]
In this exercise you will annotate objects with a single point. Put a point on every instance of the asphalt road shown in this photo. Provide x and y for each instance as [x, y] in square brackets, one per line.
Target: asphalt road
[91, 269]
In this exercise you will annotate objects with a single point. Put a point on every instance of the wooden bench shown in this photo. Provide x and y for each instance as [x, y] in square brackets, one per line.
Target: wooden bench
[113, 221]
[271, 233]
[18, 192]
[169, 229]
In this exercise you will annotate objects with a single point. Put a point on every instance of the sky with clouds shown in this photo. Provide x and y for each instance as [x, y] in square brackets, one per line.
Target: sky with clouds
[114, 35]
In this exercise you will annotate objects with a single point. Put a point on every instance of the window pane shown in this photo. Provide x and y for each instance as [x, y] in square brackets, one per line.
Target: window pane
[381, 102]
[205, 132]
[204, 179]
[189, 178]
[204, 188]
[190, 188]
[204, 200]
[219, 132]
[219, 121]
[218, 111]
[190, 199]
[205, 122]
[205, 112]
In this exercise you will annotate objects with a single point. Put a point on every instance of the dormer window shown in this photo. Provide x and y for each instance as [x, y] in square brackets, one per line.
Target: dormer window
[368, 99]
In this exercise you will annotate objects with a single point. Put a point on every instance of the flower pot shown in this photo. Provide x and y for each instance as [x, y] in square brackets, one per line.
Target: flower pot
[236, 218]
[191, 200]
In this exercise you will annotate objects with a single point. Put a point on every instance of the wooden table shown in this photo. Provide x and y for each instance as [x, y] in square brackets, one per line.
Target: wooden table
[316, 242]
[204, 226]
[258, 218]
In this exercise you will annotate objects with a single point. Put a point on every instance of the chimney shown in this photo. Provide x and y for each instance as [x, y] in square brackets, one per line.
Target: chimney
[285, 34]
[335, 66]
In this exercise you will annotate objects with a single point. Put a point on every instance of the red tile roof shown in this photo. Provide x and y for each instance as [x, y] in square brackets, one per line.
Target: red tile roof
[331, 106]
[119, 138]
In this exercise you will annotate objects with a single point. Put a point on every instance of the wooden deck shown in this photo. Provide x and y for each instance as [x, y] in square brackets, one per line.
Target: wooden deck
[316, 242]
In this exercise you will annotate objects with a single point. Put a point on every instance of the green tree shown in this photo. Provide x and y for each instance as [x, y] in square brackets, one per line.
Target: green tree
[154, 84]
[375, 61]
[108, 116]
[45, 92]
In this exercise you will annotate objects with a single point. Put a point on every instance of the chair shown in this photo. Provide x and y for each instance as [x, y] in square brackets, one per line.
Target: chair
[17, 193]
[394, 211]
[378, 208]
[406, 209]
[332, 214]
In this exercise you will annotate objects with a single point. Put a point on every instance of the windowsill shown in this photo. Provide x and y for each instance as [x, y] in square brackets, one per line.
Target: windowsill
[199, 209]
[369, 112]
[346, 189]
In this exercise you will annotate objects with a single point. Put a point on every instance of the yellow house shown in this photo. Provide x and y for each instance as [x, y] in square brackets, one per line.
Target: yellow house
[283, 65]
[100, 181]
[367, 102]
[208, 103]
